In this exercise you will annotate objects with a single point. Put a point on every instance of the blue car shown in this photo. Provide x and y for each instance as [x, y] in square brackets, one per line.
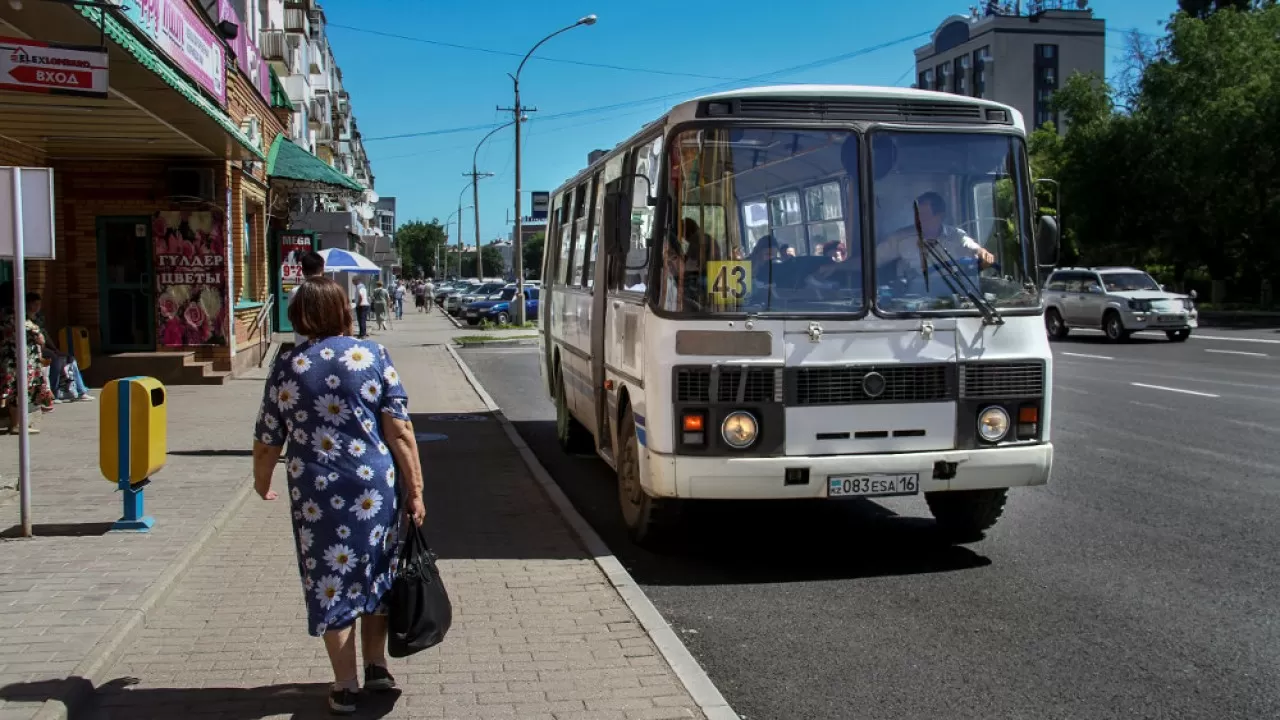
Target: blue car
[499, 309]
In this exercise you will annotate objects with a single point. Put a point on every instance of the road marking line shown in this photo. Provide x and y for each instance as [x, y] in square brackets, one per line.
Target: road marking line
[1236, 339]
[1177, 390]
[1078, 391]
[1235, 352]
[1150, 405]
[1086, 355]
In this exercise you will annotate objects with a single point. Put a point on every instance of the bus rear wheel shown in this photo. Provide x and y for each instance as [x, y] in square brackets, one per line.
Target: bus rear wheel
[649, 520]
[573, 437]
[963, 515]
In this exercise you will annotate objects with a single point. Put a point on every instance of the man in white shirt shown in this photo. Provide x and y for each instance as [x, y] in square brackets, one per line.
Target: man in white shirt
[312, 267]
[903, 246]
[362, 306]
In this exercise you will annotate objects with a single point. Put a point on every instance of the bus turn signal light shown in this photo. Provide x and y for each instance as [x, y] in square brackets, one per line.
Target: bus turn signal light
[692, 422]
[693, 425]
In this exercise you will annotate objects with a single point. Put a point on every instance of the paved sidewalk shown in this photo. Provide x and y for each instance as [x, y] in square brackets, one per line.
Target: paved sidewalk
[72, 588]
[538, 633]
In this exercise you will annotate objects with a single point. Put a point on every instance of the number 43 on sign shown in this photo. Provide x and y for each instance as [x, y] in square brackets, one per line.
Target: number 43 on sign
[730, 282]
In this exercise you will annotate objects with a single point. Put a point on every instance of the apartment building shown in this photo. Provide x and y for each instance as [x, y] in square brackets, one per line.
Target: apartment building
[1016, 53]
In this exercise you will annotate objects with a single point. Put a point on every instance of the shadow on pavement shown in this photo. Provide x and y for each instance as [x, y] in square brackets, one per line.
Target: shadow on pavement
[212, 453]
[60, 530]
[754, 542]
[121, 699]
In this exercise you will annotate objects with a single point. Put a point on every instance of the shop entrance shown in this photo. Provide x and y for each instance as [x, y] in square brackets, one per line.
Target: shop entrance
[126, 284]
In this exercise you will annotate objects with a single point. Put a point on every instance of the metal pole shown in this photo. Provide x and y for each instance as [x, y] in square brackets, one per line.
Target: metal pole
[22, 396]
[460, 234]
[517, 252]
[475, 206]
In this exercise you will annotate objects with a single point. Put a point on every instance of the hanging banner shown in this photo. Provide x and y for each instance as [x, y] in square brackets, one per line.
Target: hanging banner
[191, 278]
[180, 34]
[293, 246]
[40, 67]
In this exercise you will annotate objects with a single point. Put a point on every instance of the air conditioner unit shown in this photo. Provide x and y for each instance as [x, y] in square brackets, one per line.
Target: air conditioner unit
[191, 183]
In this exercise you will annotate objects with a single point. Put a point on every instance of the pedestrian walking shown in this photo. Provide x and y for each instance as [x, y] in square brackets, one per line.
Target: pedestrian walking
[420, 296]
[362, 307]
[21, 381]
[312, 264]
[381, 301]
[335, 407]
[429, 294]
[397, 296]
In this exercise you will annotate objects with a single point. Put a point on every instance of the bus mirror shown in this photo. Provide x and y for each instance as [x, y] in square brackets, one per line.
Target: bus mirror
[1047, 241]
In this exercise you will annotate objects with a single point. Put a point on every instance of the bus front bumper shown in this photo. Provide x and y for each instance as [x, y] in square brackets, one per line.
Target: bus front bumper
[722, 478]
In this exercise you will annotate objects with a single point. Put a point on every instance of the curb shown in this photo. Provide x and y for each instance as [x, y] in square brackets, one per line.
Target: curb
[511, 342]
[683, 664]
[106, 651]
[456, 323]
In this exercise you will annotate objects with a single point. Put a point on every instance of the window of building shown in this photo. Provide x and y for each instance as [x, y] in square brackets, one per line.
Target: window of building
[981, 56]
[1047, 52]
[960, 71]
[926, 80]
[246, 251]
[940, 78]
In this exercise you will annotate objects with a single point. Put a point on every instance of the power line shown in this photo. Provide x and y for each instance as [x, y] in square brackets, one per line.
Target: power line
[683, 93]
[491, 51]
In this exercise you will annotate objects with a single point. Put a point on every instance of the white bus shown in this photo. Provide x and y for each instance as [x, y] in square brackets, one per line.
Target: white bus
[805, 292]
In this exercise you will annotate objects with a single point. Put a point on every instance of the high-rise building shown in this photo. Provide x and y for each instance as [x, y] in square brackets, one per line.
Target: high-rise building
[1017, 53]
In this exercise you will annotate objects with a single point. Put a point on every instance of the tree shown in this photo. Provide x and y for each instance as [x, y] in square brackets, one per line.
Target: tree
[416, 243]
[532, 251]
[493, 265]
[1202, 9]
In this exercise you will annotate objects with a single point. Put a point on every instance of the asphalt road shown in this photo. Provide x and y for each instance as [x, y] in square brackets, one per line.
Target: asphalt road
[1142, 582]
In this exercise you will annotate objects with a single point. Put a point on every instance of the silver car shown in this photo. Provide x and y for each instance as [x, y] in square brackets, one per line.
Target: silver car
[1117, 300]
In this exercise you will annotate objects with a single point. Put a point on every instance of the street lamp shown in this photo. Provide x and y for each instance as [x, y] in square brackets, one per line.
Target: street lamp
[517, 252]
[447, 220]
[475, 192]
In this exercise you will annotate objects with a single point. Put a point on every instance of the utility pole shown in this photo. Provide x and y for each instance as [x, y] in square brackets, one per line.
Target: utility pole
[517, 255]
[475, 204]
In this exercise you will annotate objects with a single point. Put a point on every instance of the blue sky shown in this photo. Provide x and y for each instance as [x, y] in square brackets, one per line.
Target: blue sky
[400, 86]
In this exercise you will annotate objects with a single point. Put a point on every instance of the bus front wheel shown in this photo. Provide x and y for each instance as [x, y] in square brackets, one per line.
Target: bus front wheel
[963, 515]
[573, 437]
[649, 520]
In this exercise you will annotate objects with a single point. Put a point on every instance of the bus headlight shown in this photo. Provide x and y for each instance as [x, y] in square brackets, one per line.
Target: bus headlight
[739, 429]
[993, 424]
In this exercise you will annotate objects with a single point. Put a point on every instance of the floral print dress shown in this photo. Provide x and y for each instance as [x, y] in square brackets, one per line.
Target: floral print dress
[38, 392]
[323, 402]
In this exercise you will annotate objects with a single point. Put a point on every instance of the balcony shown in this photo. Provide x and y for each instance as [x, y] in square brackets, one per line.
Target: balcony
[296, 21]
[319, 112]
[276, 49]
[342, 108]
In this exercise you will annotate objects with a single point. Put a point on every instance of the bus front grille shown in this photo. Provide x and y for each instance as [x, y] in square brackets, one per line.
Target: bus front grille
[1000, 381]
[733, 384]
[853, 384]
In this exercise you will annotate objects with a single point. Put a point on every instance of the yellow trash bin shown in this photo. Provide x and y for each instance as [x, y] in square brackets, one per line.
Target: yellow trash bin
[132, 441]
[73, 340]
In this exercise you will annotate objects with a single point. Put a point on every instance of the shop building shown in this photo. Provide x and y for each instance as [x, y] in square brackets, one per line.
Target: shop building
[165, 210]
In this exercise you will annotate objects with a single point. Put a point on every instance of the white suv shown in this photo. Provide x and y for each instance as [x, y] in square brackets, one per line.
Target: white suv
[1117, 300]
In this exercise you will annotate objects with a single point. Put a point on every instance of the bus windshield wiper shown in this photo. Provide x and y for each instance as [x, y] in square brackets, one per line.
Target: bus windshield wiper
[949, 269]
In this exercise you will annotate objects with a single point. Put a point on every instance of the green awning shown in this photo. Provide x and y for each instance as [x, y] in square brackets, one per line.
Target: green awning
[288, 161]
[125, 38]
[279, 98]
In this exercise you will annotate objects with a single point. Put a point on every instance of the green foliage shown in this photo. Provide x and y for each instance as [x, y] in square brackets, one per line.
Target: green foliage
[1188, 179]
[532, 252]
[493, 265]
[416, 243]
[1204, 8]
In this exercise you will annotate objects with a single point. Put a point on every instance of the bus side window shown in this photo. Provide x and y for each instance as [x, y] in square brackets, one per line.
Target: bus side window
[593, 234]
[581, 198]
[551, 241]
[566, 239]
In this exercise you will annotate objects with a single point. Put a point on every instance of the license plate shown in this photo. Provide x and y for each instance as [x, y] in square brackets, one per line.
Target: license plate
[872, 485]
[472, 313]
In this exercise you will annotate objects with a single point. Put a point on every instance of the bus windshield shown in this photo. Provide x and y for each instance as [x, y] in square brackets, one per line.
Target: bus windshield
[765, 220]
[950, 221]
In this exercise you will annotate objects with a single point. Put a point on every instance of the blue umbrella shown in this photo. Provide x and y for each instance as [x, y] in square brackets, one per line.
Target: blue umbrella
[336, 260]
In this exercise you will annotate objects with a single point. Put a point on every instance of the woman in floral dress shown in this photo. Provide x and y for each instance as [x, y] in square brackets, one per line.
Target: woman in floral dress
[37, 386]
[336, 408]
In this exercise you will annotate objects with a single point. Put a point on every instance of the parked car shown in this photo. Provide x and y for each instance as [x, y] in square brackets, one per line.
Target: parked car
[498, 310]
[1117, 300]
[484, 292]
[453, 299]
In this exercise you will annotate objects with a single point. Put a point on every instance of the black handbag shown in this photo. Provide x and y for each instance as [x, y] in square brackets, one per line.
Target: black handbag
[419, 611]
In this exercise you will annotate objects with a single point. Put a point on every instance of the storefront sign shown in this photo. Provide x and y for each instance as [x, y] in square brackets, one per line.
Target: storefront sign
[245, 48]
[33, 66]
[191, 278]
[179, 32]
[292, 247]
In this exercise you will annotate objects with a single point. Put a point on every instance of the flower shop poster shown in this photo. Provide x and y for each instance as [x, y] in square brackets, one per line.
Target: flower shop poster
[191, 278]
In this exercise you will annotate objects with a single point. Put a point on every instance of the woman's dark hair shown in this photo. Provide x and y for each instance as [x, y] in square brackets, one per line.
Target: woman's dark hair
[33, 297]
[320, 309]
